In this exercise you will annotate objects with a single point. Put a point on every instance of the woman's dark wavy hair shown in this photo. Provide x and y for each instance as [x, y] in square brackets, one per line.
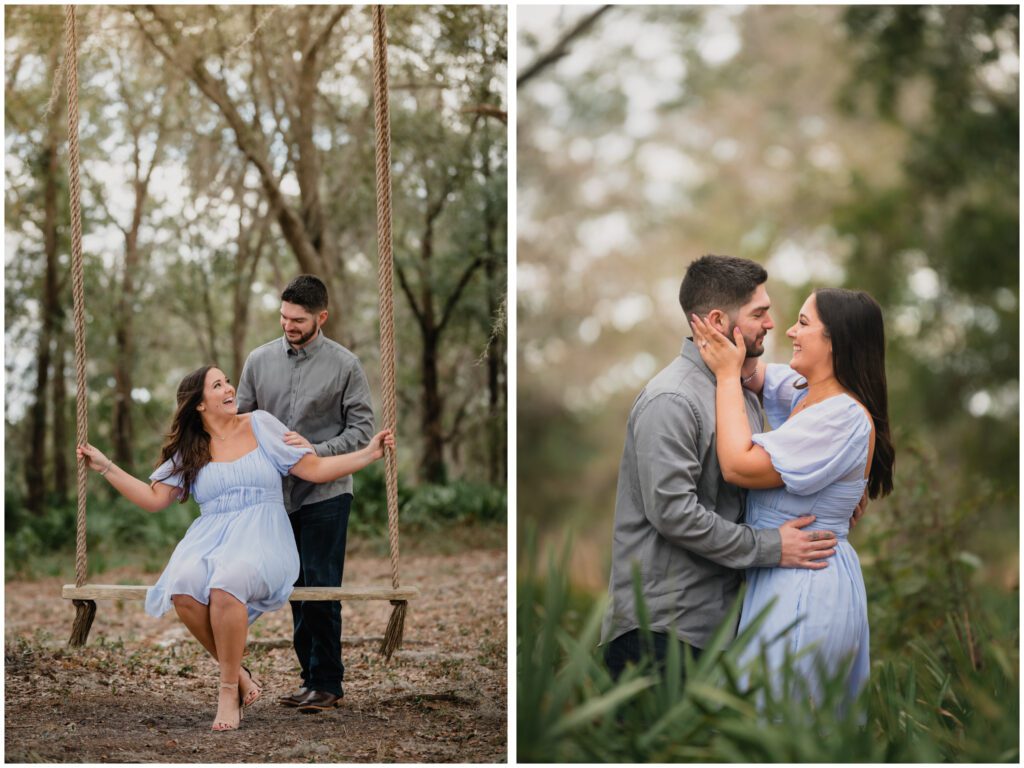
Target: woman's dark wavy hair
[187, 444]
[853, 322]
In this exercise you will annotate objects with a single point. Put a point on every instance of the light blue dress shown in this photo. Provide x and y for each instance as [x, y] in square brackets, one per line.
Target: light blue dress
[821, 454]
[242, 541]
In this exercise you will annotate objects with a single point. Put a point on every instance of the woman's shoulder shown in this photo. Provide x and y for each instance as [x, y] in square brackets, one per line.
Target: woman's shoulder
[259, 418]
[267, 428]
[842, 412]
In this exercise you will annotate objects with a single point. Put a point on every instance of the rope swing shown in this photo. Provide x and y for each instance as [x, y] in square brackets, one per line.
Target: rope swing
[382, 125]
[85, 610]
[84, 596]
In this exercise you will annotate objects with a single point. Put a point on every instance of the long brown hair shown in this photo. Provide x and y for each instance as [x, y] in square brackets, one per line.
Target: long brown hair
[853, 322]
[187, 444]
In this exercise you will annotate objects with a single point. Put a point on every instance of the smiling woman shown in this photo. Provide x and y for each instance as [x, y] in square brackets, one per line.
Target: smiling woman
[232, 463]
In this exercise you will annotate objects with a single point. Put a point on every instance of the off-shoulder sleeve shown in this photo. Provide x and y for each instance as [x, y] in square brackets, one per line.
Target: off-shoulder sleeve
[269, 432]
[165, 474]
[824, 444]
[779, 395]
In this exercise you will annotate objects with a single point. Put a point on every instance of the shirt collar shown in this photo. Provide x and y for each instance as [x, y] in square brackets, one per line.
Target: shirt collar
[690, 352]
[307, 351]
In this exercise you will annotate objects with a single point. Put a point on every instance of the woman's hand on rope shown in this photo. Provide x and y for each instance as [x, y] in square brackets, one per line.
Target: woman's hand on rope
[94, 456]
[376, 447]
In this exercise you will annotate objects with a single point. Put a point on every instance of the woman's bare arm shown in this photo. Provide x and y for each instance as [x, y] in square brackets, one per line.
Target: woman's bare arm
[323, 469]
[151, 498]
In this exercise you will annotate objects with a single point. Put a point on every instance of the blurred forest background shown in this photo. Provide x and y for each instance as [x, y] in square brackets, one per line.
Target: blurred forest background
[874, 148]
[226, 149]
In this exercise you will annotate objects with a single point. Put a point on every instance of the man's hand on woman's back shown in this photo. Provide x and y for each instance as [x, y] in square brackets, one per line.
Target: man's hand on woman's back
[805, 549]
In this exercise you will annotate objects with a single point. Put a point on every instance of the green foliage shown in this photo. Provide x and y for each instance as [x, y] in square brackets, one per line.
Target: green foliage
[119, 533]
[950, 699]
[425, 507]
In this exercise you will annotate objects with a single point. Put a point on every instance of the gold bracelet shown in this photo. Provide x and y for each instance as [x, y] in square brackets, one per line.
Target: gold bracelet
[110, 463]
[747, 380]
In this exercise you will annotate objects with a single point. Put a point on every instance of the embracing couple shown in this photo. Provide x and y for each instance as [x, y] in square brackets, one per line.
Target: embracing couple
[302, 413]
[708, 496]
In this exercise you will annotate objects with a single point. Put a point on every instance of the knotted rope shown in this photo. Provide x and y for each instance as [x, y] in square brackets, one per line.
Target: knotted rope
[382, 123]
[85, 610]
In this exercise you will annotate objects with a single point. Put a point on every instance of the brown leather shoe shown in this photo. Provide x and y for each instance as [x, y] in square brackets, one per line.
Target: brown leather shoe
[294, 698]
[318, 701]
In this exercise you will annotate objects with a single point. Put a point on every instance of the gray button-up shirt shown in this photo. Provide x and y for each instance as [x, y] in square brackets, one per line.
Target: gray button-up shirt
[676, 519]
[319, 391]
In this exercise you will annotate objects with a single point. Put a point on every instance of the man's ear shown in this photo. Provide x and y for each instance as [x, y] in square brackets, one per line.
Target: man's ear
[718, 320]
[322, 318]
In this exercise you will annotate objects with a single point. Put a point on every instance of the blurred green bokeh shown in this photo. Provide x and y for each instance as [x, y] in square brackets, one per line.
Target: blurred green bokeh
[866, 147]
[873, 148]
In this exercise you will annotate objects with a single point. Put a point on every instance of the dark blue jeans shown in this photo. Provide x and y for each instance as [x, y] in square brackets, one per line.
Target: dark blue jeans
[631, 648]
[321, 530]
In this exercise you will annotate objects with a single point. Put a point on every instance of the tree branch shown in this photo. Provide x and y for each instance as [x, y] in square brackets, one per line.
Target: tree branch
[325, 33]
[487, 110]
[453, 298]
[408, 294]
[561, 47]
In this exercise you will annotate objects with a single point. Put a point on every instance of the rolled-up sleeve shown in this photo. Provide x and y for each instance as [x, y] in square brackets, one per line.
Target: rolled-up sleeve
[356, 414]
[666, 436]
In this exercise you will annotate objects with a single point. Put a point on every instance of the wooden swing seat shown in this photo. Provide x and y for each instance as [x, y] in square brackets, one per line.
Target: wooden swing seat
[342, 594]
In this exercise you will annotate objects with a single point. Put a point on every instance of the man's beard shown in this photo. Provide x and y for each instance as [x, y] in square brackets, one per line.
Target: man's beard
[306, 337]
[751, 347]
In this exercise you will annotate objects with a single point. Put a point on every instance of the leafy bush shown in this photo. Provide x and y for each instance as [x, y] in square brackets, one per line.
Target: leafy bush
[424, 507]
[950, 699]
[119, 532]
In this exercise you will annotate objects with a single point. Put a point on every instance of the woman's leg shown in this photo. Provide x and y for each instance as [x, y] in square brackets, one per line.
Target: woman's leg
[230, 624]
[196, 618]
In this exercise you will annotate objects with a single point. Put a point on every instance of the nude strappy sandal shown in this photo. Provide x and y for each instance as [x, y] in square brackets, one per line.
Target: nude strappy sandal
[226, 726]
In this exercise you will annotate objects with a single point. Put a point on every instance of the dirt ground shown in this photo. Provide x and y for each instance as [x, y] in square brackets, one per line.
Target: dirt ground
[142, 690]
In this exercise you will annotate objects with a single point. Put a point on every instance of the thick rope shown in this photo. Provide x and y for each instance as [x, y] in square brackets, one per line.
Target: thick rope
[85, 610]
[385, 269]
[82, 432]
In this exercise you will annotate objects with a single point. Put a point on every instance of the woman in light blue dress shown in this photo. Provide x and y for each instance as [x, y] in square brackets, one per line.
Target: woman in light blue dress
[828, 410]
[238, 558]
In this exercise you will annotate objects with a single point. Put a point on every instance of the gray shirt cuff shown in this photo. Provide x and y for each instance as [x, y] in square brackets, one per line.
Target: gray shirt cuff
[769, 548]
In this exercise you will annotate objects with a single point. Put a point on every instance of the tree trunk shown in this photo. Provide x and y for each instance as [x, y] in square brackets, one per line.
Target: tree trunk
[124, 349]
[61, 446]
[35, 467]
[432, 324]
[248, 259]
[124, 311]
[496, 442]
[432, 466]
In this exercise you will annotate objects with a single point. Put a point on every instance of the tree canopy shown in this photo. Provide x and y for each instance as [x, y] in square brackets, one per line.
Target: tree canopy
[226, 149]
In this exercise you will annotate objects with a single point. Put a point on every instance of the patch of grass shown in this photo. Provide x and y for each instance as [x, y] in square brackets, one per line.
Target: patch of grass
[951, 695]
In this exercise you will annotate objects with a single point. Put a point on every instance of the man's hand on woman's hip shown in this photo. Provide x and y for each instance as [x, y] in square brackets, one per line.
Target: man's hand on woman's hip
[805, 549]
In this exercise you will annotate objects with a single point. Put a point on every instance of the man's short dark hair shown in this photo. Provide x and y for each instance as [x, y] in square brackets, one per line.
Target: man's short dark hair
[308, 291]
[719, 282]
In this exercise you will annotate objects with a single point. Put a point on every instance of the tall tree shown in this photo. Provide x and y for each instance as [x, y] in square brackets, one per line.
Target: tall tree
[290, 79]
[35, 466]
[147, 130]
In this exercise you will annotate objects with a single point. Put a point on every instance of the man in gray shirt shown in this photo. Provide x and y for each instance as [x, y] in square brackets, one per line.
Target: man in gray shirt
[676, 519]
[318, 389]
